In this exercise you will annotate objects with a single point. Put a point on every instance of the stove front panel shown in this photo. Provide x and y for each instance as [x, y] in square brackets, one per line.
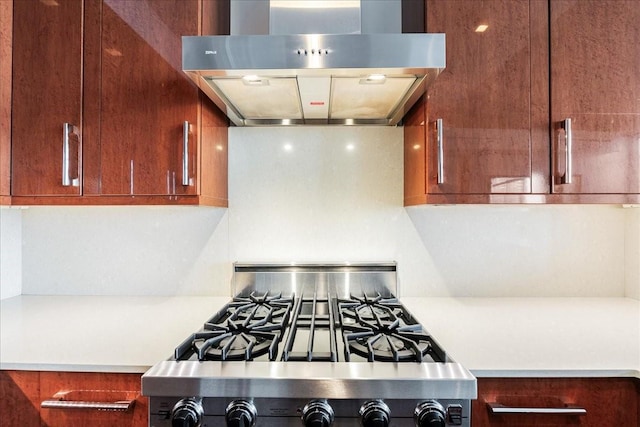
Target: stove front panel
[288, 412]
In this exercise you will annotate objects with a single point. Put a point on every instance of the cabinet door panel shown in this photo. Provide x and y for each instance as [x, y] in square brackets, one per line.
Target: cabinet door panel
[53, 382]
[47, 92]
[6, 34]
[19, 399]
[594, 81]
[483, 97]
[608, 401]
[146, 98]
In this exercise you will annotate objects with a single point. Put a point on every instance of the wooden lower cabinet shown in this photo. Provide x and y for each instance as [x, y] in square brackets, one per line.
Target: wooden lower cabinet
[19, 398]
[22, 394]
[607, 401]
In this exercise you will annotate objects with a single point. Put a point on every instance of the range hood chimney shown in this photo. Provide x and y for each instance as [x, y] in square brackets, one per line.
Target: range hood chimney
[294, 62]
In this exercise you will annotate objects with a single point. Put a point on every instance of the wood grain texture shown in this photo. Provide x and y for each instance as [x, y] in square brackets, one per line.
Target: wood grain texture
[19, 398]
[145, 97]
[53, 382]
[483, 97]
[415, 156]
[594, 81]
[6, 37]
[214, 154]
[47, 92]
[608, 401]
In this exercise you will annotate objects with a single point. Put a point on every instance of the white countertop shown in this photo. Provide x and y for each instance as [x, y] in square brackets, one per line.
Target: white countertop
[536, 337]
[97, 333]
[560, 337]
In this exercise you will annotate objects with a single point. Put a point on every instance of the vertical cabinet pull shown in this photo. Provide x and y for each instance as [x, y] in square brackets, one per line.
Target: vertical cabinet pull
[440, 140]
[185, 152]
[568, 158]
[67, 130]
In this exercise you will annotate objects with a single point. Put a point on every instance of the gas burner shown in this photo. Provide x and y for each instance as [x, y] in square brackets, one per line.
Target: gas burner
[366, 308]
[256, 307]
[221, 345]
[392, 347]
[380, 329]
[244, 329]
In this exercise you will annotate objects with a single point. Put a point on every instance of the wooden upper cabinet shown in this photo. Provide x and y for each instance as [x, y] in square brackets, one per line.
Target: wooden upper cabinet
[595, 83]
[148, 120]
[482, 99]
[6, 37]
[47, 98]
[100, 84]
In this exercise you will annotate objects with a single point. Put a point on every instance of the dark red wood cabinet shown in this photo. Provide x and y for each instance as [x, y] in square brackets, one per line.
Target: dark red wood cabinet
[22, 394]
[101, 109]
[595, 83]
[516, 69]
[606, 401]
[6, 38]
[46, 97]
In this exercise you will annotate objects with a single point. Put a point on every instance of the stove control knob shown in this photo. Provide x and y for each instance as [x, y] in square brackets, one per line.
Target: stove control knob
[375, 413]
[429, 413]
[241, 413]
[317, 413]
[187, 413]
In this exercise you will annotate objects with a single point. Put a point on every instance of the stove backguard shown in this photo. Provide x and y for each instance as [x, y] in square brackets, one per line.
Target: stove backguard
[321, 280]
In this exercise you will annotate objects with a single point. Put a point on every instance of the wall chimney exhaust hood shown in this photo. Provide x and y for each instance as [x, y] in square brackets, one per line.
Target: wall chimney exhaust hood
[294, 62]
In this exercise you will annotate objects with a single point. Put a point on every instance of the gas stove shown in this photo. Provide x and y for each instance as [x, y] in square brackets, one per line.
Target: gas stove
[310, 345]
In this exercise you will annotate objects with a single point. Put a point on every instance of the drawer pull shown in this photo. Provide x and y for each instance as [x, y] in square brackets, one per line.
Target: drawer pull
[123, 401]
[497, 408]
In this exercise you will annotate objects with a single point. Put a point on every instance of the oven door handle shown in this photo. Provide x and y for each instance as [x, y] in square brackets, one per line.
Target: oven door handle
[498, 408]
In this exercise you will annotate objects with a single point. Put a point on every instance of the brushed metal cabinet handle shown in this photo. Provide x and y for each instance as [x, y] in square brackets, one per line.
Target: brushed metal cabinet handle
[68, 129]
[121, 406]
[568, 158]
[185, 152]
[440, 140]
[497, 408]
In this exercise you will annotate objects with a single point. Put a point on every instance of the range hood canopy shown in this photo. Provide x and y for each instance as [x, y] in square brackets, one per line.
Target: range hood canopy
[321, 78]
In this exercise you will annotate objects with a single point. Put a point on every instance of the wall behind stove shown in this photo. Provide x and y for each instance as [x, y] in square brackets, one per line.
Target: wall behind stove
[325, 194]
[336, 194]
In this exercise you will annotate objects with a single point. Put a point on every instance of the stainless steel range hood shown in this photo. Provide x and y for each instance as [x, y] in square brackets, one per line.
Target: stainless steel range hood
[322, 62]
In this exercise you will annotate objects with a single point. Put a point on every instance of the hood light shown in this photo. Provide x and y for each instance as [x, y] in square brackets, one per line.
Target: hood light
[254, 81]
[373, 79]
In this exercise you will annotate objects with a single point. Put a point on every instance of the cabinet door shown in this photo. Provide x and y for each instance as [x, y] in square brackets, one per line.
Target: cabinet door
[47, 94]
[19, 398]
[146, 99]
[87, 386]
[482, 98]
[595, 82]
[607, 401]
[6, 34]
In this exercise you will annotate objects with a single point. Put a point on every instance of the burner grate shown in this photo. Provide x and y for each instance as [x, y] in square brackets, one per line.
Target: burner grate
[314, 320]
[378, 328]
[244, 329]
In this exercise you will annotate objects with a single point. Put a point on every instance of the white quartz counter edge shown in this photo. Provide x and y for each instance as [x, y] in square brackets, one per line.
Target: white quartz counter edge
[492, 337]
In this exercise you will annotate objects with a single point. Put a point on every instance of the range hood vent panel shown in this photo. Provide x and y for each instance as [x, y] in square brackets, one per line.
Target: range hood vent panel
[282, 79]
[415, 57]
